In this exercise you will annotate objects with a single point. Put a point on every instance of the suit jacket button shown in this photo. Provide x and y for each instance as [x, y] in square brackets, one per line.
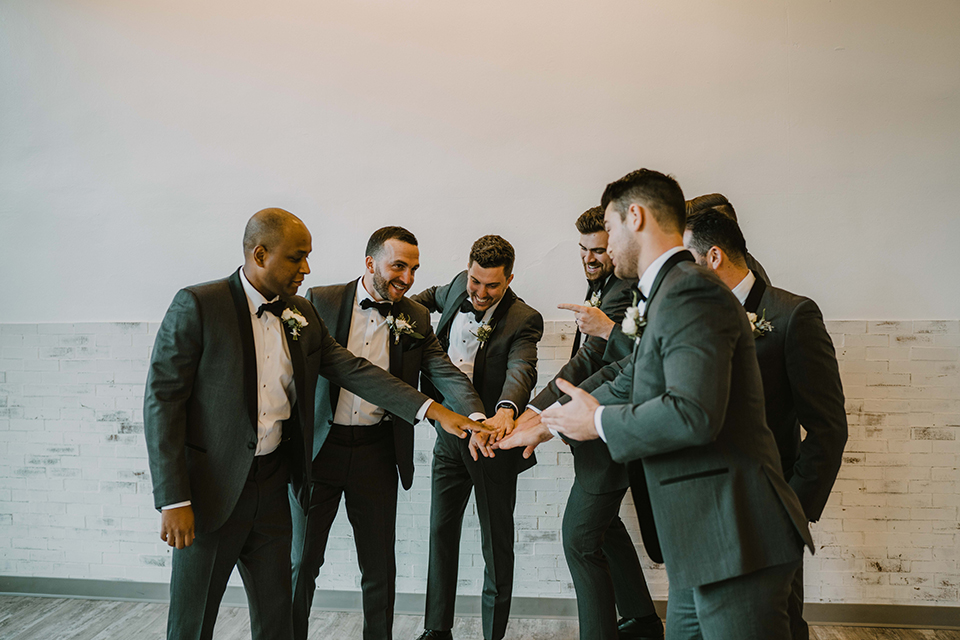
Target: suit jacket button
[251, 445]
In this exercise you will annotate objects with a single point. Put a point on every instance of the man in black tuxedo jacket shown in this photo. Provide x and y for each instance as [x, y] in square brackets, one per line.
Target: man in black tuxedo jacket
[801, 379]
[719, 202]
[492, 336]
[228, 411]
[602, 559]
[359, 450]
[689, 403]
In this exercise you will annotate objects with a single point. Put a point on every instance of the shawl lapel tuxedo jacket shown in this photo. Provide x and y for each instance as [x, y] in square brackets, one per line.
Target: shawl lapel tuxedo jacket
[801, 386]
[689, 404]
[200, 405]
[408, 358]
[506, 364]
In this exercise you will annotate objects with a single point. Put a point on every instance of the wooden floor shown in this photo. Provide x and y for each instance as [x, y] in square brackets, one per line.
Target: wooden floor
[25, 618]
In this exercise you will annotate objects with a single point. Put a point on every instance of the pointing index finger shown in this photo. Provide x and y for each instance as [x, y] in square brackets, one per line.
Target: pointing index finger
[567, 306]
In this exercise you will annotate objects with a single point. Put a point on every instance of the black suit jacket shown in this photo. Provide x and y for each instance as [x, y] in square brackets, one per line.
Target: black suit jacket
[689, 404]
[200, 403]
[408, 358]
[801, 386]
[506, 365]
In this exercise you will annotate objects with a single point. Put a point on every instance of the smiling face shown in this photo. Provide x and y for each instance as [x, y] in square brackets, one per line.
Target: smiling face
[280, 269]
[621, 243]
[486, 286]
[597, 264]
[392, 271]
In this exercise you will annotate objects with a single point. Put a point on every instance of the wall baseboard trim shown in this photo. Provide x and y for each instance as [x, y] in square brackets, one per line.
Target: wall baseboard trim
[816, 613]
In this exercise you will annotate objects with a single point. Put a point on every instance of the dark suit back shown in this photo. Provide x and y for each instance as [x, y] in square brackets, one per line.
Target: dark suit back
[801, 386]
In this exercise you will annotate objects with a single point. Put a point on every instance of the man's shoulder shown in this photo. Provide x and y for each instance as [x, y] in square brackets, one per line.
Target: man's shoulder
[781, 303]
[328, 291]
[523, 312]
[211, 289]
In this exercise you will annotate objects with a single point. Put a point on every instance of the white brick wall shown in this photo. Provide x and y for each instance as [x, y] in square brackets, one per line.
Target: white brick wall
[75, 492]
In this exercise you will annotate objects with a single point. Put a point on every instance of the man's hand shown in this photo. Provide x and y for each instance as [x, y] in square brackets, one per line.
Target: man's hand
[574, 419]
[176, 526]
[590, 320]
[454, 423]
[482, 444]
[528, 433]
[502, 421]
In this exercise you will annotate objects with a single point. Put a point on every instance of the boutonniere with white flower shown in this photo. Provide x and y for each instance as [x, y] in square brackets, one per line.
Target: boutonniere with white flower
[594, 300]
[633, 322]
[484, 331]
[402, 325]
[294, 321]
[761, 326]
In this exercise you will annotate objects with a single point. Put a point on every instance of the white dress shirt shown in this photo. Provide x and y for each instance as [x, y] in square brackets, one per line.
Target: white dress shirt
[276, 392]
[370, 338]
[742, 290]
[645, 285]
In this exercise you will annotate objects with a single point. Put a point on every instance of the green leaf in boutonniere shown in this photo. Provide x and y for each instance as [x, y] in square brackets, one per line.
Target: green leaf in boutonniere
[484, 331]
[294, 321]
[759, 327]
[594, 300]
[402, 325]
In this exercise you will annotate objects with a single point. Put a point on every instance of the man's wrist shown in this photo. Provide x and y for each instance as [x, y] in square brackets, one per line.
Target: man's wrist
[598, 423]
[507, 404]
[422, 413]
[175, 506]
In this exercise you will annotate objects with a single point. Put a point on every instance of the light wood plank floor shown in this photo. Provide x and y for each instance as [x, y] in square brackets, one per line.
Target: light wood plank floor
[26, 618]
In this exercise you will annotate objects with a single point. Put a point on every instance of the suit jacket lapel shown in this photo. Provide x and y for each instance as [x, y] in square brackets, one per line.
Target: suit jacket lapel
[672, 261]
[242, 308]
[752, 303]
[479, 365]
[341, 332]
[396, 346]
[450, 310]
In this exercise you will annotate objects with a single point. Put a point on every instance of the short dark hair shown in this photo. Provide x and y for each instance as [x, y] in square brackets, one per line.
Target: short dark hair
[716, 201]
[712, 228]
[380, 237]
[657, 191]
[591, 221]
[493, 251]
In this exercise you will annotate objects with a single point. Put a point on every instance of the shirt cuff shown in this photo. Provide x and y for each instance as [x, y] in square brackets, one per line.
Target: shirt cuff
[421, 414]
[510, 404]
[477, 417]
[176, 506]
[598, 423]
[534, 409]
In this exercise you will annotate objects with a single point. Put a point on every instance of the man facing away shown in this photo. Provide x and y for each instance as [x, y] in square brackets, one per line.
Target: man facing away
[798, 365]
[228, 415]
[688, 402]
[603, 561]
[360, 450]
[492, 336]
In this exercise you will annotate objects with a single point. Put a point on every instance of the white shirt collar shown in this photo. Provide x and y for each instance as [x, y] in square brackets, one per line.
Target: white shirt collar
[742, 290]
[254, 297]
[646, 280]
[363, 294]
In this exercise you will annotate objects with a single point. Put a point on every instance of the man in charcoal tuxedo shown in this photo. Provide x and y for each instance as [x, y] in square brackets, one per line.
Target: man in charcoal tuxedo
[492, 336]
[801, 379]
[359, 450]
[689, 403]
[720, 203]
[601, 556]
[228, 408]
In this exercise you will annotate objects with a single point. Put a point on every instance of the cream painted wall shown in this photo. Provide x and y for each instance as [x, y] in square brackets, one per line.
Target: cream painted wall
[137, 137]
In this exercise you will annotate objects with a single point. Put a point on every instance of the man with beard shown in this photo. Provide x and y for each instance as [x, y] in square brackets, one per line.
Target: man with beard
[492, 336]
[801, 378]
[599, 552]
[359, 450]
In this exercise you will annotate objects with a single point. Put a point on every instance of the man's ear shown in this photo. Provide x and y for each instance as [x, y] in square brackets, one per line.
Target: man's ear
[509, 280]
[260, 255]
[368, 261]
[636, 217]
[715, 257]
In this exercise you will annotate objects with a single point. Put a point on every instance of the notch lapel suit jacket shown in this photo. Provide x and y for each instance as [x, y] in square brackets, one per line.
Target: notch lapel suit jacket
[689, 404]
[801, 386]
[408, 359]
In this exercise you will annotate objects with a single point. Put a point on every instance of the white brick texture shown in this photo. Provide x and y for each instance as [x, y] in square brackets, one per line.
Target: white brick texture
[75, 491]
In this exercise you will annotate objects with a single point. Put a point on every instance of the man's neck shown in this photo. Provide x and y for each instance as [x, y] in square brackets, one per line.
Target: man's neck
[732, 275]
[654, 246]
[367, 282]
[267, 295]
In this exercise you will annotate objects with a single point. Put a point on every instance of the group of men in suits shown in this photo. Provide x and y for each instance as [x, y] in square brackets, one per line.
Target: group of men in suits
[263, 409]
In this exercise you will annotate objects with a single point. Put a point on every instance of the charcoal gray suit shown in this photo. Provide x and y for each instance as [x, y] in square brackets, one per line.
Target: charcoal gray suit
[689, 404]
[801, 386]
[601, 556]
[200, 424]
[505, 369]
[362, 464]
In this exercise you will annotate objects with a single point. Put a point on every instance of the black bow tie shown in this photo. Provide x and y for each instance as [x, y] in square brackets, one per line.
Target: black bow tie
[276, 308]
[595, 285]
[385, 307]
[467, 307]
[640, 296]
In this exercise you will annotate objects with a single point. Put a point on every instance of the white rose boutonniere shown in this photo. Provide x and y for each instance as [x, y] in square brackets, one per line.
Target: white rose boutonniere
[402, 325]
[484, 331]
[294, 321]
[594, 300]
[633, 322]
[761, 326]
